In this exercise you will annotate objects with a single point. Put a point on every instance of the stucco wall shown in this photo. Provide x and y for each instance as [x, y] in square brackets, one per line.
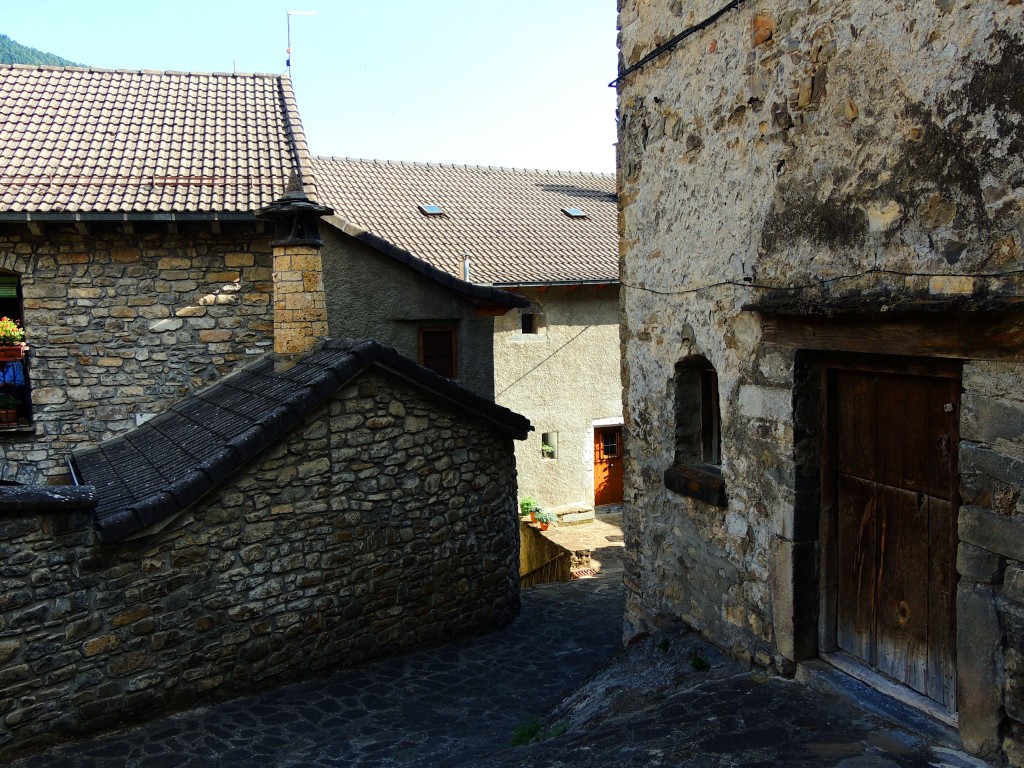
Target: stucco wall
[382, 522]
[562, 379]
[371, 296]
[120, 325]
[836, 151]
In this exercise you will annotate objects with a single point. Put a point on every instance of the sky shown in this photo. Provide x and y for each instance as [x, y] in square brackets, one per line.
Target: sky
[513, 83]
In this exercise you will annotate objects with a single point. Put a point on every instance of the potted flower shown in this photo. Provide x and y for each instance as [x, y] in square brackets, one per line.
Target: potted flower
[528, 507]
[9, 410]
[12, 340]
[547, 450]
[545, 518]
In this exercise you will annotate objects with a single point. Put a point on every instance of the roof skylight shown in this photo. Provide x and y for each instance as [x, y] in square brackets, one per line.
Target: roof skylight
[431, 209]
[574, 213]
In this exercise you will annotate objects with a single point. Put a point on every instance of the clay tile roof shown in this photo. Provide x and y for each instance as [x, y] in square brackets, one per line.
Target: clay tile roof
[77, 140]
[168, 463]
[509, 222]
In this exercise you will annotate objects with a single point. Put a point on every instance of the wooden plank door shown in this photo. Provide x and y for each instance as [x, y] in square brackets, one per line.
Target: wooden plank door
[607, 465]
[895, 491]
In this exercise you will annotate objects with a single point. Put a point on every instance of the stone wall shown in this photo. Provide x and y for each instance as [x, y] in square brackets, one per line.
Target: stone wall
[120, 325]
[383, 522]
[838, 154]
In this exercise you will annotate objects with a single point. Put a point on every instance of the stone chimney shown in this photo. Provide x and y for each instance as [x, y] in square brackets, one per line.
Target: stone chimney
[300, 306]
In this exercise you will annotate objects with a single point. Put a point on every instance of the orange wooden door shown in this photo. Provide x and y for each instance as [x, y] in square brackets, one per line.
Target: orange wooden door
[607, 465]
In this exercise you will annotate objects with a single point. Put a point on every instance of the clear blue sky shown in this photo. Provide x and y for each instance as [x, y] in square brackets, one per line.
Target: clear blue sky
[520, 83]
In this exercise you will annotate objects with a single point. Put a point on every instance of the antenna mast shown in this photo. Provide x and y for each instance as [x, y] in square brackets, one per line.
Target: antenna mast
[288, 61]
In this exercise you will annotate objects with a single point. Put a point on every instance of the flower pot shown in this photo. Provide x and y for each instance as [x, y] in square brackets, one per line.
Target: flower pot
[533, 517]
[543, 526]
[9, 353]
[8, 417]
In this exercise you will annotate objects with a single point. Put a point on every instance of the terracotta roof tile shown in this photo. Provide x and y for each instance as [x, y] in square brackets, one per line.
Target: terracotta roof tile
[508, 222]
[87, 140]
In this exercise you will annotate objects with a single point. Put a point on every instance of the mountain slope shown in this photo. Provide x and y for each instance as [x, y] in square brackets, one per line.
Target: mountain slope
[16, 53]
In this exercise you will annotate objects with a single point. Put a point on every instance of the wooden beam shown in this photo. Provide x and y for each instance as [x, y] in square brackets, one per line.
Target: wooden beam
[36, 228]
[81, 228]
[172, 227]
[129, 228]
[963, 335]
[215, 227]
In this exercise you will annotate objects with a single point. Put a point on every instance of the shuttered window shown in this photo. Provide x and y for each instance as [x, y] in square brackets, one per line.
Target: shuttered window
[438, 346]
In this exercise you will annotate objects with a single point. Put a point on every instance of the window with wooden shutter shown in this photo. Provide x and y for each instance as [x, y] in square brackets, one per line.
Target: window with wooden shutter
[438, 345]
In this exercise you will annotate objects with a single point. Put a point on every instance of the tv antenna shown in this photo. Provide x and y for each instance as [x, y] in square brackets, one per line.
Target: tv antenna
[288, 61]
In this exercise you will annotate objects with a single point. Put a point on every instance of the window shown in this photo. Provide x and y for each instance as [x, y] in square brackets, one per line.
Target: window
[696, 471]
[437, 347]
[15, 404]
[532, 322]
[549, 445]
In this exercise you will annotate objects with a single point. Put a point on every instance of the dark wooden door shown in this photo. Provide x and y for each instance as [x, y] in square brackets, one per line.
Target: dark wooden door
[894, 474]
[607, 465]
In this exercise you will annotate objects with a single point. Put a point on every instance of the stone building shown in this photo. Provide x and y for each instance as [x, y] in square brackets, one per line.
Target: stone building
[129, 247]
[302, 514]
[822, 213]
[481, 232]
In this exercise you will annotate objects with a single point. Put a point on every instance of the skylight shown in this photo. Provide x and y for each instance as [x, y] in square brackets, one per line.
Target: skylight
[431, 209]
[574, 213]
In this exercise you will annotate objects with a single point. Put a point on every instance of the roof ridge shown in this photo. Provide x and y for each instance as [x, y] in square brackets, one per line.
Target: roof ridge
[466, 167]
[127, 71]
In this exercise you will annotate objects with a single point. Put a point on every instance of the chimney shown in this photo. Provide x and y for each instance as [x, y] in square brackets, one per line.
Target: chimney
[300, 306]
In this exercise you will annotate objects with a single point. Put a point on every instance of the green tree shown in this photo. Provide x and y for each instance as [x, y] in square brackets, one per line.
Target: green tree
[15, 53]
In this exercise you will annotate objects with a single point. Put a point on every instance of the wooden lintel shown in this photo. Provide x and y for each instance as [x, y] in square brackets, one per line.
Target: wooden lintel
[81, 227]
[36, 228]
[963, 335]
[491, 311]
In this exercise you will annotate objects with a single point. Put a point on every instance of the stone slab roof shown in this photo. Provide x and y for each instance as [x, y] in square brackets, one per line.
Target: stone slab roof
[508, 222]
[170, 462]
[88, 141]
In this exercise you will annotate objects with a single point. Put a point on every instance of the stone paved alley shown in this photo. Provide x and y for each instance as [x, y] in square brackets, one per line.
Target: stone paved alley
[460, 706]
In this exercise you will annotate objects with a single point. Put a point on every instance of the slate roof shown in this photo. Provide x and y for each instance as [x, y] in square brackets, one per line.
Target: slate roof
[88, 141]
[170, 462]
[508, 222]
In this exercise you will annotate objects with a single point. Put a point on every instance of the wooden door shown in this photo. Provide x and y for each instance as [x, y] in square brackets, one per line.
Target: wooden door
[607, 465]
[894, 493]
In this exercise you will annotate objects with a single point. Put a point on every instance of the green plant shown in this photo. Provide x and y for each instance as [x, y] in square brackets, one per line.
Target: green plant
[531, 731]
[11, 331]
[547, 450]
[543, 516]
[9, 402]
[528, 505]
[699, 661]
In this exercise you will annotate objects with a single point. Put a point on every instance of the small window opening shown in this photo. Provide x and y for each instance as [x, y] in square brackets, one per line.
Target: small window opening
[533, 322]
[549, 445]
[575, 213]
[696, 471]
[431, 209]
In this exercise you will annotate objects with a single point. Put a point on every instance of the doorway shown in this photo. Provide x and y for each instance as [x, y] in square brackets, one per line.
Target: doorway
[607, 465]
[889, 498]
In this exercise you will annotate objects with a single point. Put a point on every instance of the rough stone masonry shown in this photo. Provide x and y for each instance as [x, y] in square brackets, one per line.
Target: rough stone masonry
[798, 179]
[384, 521]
